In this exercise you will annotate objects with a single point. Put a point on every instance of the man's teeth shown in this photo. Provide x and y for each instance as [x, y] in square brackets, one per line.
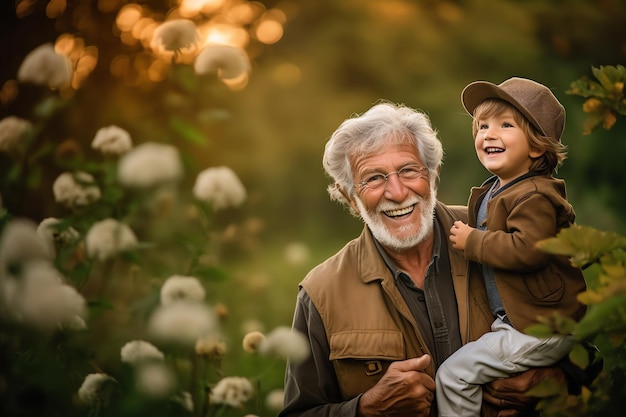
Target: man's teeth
[399, 212]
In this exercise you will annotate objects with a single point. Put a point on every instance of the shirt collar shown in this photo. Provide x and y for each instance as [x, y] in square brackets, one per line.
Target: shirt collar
[397, 272]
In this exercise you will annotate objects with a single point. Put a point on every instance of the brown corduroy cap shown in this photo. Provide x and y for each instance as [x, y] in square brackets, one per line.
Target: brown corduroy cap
[535, 101]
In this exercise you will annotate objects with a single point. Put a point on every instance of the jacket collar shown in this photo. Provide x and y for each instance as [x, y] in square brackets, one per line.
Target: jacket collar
[372, 269]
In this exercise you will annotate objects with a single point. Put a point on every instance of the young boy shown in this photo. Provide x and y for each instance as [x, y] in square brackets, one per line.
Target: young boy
[517, 127]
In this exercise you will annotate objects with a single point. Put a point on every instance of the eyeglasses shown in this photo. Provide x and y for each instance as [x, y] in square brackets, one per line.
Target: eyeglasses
[406, 174]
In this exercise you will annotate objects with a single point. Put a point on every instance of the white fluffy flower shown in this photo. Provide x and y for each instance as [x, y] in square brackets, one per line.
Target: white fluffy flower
[297, 253]
[210, 346]
[53, 237]
[138, 351]
[185, 399]
[20, 243]
[155, 379]
[93, 388]
[286, 343]
[149, 164]
[275, 399]
[43, 66]
[108, 237]
[219, 187]
[183, 322]
[112, 140]
[174, 35]
[226, 61]
[232, 390]
[12, 133]
[43, 301]
[181, 288]
[75, 323]
[75, 189]
[252, 341]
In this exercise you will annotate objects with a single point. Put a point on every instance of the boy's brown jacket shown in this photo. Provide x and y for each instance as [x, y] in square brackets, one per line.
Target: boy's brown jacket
[531, 283]
[367, 322]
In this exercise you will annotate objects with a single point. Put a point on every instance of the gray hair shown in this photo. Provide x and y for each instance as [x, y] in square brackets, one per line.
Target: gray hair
[368, 133]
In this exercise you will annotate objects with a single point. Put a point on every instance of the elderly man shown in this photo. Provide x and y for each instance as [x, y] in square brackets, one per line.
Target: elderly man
[385, 311]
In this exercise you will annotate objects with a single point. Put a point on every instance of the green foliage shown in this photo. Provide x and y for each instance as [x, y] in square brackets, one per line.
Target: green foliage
[605, 97]
[604, 324]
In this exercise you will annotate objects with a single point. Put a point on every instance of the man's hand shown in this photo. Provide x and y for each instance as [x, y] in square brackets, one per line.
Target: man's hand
[458, 234]
[404, 390]
[508, 395]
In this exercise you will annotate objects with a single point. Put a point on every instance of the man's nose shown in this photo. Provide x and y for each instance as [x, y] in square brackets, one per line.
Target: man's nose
[394, 187]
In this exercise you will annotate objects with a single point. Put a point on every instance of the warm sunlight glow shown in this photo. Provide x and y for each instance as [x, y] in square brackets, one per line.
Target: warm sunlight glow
[269, 32]
[107, 6]
[119, 65]
[245, 13]
[55, 8]
[191, 8]
[223, 34]
[238, 83]
[287, 74]
[128, 16]
[24, 7]
[9, 92]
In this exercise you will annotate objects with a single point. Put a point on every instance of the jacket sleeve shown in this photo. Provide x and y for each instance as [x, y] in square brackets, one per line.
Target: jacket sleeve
[533, 219]
[311, 387]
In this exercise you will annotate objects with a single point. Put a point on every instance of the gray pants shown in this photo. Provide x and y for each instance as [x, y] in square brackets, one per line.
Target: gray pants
[497, 354]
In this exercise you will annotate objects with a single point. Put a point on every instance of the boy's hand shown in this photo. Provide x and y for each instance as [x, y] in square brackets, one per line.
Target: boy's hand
[458, 234]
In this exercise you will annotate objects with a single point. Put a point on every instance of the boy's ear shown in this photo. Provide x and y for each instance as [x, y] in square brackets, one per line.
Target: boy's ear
[536, 153]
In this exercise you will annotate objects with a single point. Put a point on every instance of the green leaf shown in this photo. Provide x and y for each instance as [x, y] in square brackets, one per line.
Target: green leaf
[579, 356]
[546, 388]
[187, 131]
[601, 315]
[100, 304]
[582, 243]
[602, 76]
[539, 330]
[209, 273]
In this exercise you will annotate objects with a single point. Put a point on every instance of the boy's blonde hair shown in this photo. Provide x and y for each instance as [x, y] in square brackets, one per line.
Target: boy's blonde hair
[554, 151]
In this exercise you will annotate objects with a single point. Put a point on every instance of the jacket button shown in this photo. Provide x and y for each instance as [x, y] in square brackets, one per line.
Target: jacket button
[373, 367]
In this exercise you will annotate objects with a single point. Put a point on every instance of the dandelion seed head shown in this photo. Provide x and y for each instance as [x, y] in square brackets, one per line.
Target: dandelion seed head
[75, 189]
[286, 343]
[53, 237]
[174, 35]
[13, 131]
[275, 399]
[183, 323]
[252, 341]
[181, 288]
[148, 165]
[211, 347]
[112, 140]
[228, 62]
[155, 379]
[108, 237]
[138, 351]
[233, 391]
[92, 389]
[43, 66]
[220, 187]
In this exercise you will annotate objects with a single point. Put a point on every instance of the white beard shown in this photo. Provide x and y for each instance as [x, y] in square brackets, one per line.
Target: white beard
[382, 233]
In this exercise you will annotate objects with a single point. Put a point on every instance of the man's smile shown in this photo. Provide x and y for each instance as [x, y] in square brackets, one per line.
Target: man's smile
[399, 212]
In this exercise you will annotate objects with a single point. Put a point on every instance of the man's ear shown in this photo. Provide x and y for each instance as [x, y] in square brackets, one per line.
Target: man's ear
[348, 198]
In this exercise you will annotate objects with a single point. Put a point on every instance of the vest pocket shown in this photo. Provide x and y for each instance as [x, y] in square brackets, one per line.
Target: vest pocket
[361, 357]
